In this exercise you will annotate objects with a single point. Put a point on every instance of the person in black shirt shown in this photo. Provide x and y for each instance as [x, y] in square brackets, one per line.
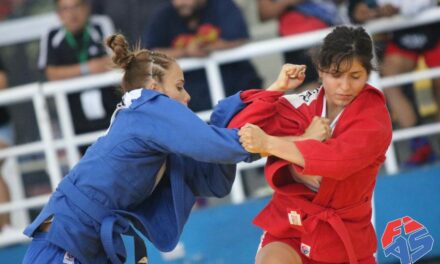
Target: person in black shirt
[76, 49]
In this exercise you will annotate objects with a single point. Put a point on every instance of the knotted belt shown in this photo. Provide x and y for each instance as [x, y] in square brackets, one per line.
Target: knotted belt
[113, 225]
[334, 218]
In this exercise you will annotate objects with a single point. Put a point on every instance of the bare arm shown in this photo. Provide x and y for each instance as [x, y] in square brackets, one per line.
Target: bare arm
[94, 66]
[363, 145]
[277, 147]
[255, 140]
[172, 52]
[362, 13]
[222, 44]
[54, 73]
[290, 77]
[195, 49]
[3, 80]
[269, 9]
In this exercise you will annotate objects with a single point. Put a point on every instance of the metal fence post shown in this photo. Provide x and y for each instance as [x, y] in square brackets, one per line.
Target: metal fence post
[44, 126]
[66, 124]
[215, 82]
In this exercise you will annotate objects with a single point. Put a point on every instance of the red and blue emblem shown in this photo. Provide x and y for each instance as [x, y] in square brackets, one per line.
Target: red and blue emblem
[407, 240]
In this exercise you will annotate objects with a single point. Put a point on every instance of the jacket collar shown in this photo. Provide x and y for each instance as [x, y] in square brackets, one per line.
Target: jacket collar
[137, 97]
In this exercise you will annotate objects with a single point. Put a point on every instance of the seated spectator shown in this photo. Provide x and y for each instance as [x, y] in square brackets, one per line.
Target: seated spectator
[195, 28]
[6, 140]
[400, 56]
[300, 16]
[75, 49]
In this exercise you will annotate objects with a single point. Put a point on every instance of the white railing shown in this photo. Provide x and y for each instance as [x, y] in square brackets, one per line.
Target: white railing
[37, 93]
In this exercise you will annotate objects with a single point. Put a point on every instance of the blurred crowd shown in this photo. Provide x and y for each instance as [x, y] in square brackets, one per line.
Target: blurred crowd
[196, 28]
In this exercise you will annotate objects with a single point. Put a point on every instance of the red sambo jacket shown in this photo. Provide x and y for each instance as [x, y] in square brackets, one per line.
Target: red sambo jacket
[333, 224]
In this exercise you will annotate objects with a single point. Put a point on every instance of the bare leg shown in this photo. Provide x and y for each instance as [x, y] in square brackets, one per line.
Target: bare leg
[277, 253]
[400, 105]
[4, 194]
[4, 198]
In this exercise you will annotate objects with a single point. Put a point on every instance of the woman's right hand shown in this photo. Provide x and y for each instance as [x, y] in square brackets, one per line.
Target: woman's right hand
[319, 129]
[290, 77]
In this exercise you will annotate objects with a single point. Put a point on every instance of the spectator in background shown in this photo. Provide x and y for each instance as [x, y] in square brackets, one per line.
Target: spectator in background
[6, 140]
[5, 9]
[401, 54]
[75, 49]
[300, 16]
[195, 28]
[133, 25]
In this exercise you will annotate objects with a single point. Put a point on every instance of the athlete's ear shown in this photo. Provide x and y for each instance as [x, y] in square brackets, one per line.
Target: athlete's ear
[154, 85]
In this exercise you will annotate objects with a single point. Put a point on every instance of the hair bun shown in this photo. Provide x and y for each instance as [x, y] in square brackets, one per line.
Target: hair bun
[122, 54]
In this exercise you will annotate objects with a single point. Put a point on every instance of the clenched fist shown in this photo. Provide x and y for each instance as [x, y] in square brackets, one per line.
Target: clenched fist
[290, 77]
[254, 139]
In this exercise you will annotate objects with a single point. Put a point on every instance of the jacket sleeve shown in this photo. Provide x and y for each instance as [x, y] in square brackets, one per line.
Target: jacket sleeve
[261, 108]
[363, 142]
[209, 179]
[226, 109]
[167, 126]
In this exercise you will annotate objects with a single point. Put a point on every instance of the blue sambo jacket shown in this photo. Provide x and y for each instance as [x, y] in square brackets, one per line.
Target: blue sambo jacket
[111, 188]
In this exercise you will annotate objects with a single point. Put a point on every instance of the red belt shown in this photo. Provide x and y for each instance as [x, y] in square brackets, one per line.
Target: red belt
[334, 218]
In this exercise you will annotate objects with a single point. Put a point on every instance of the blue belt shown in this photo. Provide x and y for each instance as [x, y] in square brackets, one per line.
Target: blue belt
[112, 223]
